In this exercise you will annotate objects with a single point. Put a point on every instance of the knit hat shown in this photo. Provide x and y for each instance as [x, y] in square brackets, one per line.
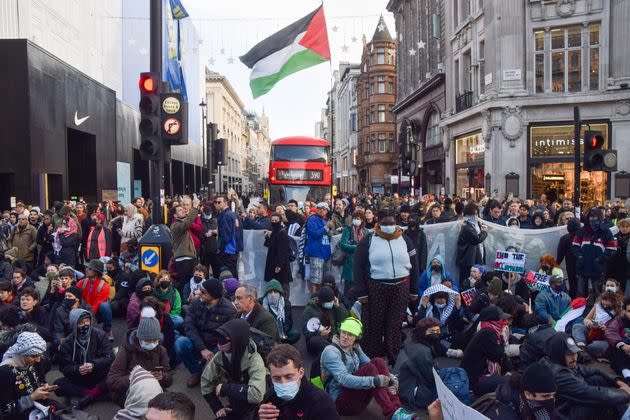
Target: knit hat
[213, 286]
[322, 205]
[495, 286]
[13, 252]
[230, 285]
[274, 285]
[326, 294]
[96, 265]
[480, 267]
[148, 329]
[36, 209]
[538, 377]
[225, 274]
[27, 344]
[75, 291]
[492, 313]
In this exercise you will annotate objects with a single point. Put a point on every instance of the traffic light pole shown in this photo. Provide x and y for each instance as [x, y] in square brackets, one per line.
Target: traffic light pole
[156, 177]
[577, 127]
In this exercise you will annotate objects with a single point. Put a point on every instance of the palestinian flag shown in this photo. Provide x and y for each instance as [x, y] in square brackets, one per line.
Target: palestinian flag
[298, 46]
[573, 311]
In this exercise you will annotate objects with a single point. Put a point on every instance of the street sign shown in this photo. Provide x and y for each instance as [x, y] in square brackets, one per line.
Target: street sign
[172, 126]
[171, 104]
[150, 258]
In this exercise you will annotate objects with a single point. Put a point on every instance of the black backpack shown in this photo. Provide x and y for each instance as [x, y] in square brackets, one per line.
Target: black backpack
[491, 407]
[294, 251]
[264, 342]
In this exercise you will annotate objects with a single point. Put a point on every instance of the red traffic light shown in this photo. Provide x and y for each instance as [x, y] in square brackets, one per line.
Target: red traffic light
[149, 82]
[593, 140]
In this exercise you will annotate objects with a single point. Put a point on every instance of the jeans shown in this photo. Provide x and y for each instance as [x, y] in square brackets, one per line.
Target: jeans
[229, 261]
[188, 355]
[104, 315]
[178, 321]
[596, 349]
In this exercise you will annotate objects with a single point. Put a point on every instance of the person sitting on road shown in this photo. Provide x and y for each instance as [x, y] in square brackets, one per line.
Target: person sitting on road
[236, 372]
[86, 355]
[61, 320]
[193, 287]
[352, 379]
[590, 333]
[6, 293]
[246, 302]
[280, 308]
[144, 288]
[321, 318]
[95, 292]
[164, 290]
[152, 307]
[292, 391]
[145, 351]
[552, 302]
[125, 284]
[171, 406]
[203, 317]
[435, 273]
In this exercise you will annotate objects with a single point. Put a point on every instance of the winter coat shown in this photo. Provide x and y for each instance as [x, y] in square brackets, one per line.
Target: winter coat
[97, 351]
[565, 251]
[340, 221]
[257, 223]
[17, 385]
[68, 253]
[468, 241]
[328, 317]
[425, 279]
[551, 305]
[124, 285]
[338, 371]
[94, 297]
[317, 240]
[25, 239]
[593, 248]
[61, 327]
[230, 233]
[348, 243]
[39, 317]
[183, 245]
[278, 256]
[130, 355]
[616, 332]
[99, 243]
[44, 240]
[417, 385]
[618, 266]
[262, 320]
[202, 321]
[310, 403]
[483, 347]
[419, 239]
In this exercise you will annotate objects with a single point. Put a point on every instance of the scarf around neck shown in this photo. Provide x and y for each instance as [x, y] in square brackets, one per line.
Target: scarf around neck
[278, 309]
[496, 326]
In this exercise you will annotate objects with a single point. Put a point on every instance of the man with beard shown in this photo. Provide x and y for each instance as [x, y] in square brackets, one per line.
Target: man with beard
[583, 392]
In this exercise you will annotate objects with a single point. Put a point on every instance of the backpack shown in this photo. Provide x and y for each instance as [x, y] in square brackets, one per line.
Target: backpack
[456, 380]
[491, 407]
[293, 249]
[316, 377]
[264, 343]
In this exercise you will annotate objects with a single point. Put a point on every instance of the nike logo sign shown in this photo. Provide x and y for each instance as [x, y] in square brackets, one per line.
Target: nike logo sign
[78, 121]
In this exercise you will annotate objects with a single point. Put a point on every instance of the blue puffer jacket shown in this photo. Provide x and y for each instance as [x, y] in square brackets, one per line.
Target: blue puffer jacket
[230, 233]
[338, 372]
[317, 241]
[425, 278]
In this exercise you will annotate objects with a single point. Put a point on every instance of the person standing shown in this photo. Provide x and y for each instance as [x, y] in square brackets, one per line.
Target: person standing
[209, 252]
[470, 242]
[99, 239]
[317, 246]
[350, 237]
[132, 225]
[24, 238]
[230, 235]
[386, 280]
[565, 252]
[278, 265]
[184, 252]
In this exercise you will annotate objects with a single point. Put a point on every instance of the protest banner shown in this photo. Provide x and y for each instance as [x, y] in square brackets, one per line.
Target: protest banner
[511, 262]
[537, 281]
[469, 295]
[452, 408]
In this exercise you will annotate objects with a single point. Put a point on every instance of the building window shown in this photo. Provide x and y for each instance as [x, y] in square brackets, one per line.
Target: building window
[381, 114]
[353, 121]
[390, 85]
[381, 84]
[367, 117]
[380, 56]
[482, 67]
[373, 84]
[373, 112]
[565, 51]
[382, 144]
[433, 130]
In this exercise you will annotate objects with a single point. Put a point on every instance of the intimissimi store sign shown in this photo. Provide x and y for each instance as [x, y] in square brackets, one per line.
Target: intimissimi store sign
[558, 140]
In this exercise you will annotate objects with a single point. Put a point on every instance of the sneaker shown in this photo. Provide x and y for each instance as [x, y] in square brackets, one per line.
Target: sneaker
[402, 414]
[194, 380]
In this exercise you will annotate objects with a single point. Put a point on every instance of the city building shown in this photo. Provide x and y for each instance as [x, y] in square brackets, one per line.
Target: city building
[376, 89]
[421, 91]
[258, 149]
[72, 117]
[321, 126]
[225, 110]
[346, 128]
[515, 71]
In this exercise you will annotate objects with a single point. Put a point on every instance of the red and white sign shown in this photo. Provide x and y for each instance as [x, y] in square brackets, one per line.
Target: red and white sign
[172, 126]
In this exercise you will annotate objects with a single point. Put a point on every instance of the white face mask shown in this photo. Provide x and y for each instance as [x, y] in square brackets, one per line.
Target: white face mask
[356, 222]
[149, 345]
[388, 229]
[611, 289]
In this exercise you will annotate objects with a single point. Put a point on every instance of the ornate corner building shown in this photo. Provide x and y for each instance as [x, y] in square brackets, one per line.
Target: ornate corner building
[377, 160]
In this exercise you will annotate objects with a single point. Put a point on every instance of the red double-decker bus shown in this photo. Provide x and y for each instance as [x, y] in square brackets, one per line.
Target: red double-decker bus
[299, 169]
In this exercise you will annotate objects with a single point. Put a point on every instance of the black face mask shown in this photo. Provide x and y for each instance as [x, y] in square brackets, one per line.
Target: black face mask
[436, 268]
[197, 279]
[84, 330]
[146, 293]
[275, 225]
[434, 337]
[69, 303]
[164, 284]
[546, 267]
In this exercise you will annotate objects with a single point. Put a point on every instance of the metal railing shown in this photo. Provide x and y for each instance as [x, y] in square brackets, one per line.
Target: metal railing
[463, 101]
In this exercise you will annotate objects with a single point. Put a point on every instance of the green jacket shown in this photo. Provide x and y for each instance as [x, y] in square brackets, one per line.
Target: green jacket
[348, 244]
[175, 299]
[251, 362]
[183, 245]
[314, 310]
[262, 320]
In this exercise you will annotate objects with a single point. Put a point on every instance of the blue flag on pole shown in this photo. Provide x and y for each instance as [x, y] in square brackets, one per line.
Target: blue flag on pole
[178, 10]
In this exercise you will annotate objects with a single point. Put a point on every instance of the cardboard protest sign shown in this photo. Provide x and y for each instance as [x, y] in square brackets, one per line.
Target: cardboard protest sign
[537, 281]
[469, 295]
[512, 262]
[452, 408]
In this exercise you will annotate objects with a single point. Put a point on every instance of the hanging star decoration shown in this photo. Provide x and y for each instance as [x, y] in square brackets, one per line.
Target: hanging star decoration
[412, 52]
[421, 45]
[131, 41]
[222, 51]
[230, 60]
[211, 61]
[143, 51]
[354, 39]
[381, 27]
[345, 48]
[335, 28]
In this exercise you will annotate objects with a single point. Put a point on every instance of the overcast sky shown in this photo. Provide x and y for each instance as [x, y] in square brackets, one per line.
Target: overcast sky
[295, 103]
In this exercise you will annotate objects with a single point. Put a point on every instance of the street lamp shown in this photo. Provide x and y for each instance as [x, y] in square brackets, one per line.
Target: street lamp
[204, 117]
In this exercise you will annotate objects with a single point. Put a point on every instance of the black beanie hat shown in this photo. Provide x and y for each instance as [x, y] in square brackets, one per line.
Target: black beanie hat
[214, 287]
[326, 294]
[538, 377]
[76, 292]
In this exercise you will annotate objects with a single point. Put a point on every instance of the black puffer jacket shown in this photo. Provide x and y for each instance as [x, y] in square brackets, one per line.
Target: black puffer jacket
[202, 321]
[533, 348]
[576, 396]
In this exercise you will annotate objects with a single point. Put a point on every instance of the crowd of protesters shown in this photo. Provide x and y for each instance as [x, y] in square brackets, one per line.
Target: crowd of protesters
[376, 333]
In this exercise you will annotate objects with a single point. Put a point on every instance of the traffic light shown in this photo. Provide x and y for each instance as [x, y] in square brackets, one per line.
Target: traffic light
[595, 157]
[150, 141]
[219, 152]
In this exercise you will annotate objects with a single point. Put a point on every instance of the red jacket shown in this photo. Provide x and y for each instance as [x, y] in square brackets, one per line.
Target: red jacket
[94, 297]
[195, 229]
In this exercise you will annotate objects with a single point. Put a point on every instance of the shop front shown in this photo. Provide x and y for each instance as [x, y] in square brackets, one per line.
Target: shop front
[469, 166]
[551, 163]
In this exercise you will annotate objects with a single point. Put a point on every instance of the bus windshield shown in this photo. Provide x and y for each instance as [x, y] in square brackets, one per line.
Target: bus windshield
[299, 193]
[286, 153]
